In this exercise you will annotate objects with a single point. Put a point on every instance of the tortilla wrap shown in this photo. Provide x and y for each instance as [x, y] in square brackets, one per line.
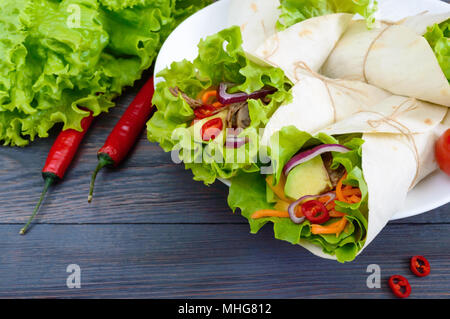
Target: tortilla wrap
[412, 119]
[397, 153]
[388, 57]
[420, 22]
[397, 10]
[256, 18]
[310, 42]
[319, 101]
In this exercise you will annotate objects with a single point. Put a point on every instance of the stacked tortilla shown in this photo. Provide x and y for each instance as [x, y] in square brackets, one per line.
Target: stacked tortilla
[384, 83]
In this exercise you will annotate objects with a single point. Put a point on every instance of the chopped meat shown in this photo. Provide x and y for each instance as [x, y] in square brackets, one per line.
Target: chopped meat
[232, 114]
[193, 103]
[334, 174]
[243, 117]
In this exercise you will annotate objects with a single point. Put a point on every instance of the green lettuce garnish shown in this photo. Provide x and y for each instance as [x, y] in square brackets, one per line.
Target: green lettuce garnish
[59, 57]
[248, 193]
[294, 11]
[438, 36]
[220, 59]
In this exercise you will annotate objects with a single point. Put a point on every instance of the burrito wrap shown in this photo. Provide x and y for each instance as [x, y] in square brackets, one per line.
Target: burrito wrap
[388, 57]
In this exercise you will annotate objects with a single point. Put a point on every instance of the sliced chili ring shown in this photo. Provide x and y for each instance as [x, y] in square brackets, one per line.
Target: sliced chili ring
[400, 286]
[315, 212]
[420, 266]
[212, 129]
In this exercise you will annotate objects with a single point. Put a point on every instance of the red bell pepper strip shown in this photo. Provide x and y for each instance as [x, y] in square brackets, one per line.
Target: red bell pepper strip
[420, 266]
[400, 286]
[58, 160]
[124, 135]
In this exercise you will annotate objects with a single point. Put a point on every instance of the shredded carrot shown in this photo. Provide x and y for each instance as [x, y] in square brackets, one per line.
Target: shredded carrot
[269, 213]
[331, 205]
[324, 199]
[351, 192]
[335, 213]
[298, 211]
[355, 199]
[348, 194]
[206, 97]
[339, 194]
[334, 228]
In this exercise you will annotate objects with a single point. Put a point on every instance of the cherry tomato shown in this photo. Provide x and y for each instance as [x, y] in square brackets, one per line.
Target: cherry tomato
[315, 212]
[400, 286]
[212, 129]
[420, 266]
[442, 152]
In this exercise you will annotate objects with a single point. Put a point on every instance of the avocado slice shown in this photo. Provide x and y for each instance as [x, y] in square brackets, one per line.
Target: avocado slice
[309, 178]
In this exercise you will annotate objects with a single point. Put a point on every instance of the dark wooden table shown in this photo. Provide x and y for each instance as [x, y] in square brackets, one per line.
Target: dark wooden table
[152, 232]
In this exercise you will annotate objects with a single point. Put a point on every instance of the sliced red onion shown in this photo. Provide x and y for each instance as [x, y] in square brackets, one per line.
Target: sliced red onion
[233, 141]
[229, 98]
[292, 207]
[310, 154]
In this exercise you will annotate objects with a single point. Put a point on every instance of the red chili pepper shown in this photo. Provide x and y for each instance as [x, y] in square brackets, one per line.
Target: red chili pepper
[400, 286]
[315, 212]
[126, 131]
[58, 160]
[420, 266]
[211, 129]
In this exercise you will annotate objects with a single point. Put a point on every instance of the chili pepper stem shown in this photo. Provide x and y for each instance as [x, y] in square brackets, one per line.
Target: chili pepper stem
[49, 180]
[103, 160]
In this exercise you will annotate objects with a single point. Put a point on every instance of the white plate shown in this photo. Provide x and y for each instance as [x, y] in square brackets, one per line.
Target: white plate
[432, 192]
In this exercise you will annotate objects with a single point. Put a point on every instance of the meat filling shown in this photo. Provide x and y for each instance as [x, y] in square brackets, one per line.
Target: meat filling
[233, 116]
[193, 103]
[334, 174]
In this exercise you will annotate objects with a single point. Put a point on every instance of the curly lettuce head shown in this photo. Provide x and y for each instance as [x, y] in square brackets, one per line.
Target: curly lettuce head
[59, 59]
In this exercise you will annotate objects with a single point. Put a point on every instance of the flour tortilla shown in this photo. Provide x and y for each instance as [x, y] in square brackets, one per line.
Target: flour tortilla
[256, 18]
[413, 115]
[392, 57]
[420, 23]
[392, 163]
[419, 122]
[395, 10]
[319, 102]
[309, 42]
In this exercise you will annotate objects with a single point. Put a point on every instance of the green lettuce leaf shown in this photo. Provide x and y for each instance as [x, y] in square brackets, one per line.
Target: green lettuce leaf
[248, 193]
[294, 11]
[438, 36]
[220, 59]
[61, 57]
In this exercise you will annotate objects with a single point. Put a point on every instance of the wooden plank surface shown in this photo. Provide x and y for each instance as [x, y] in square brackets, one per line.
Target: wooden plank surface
[208, 261]
[152, 232]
